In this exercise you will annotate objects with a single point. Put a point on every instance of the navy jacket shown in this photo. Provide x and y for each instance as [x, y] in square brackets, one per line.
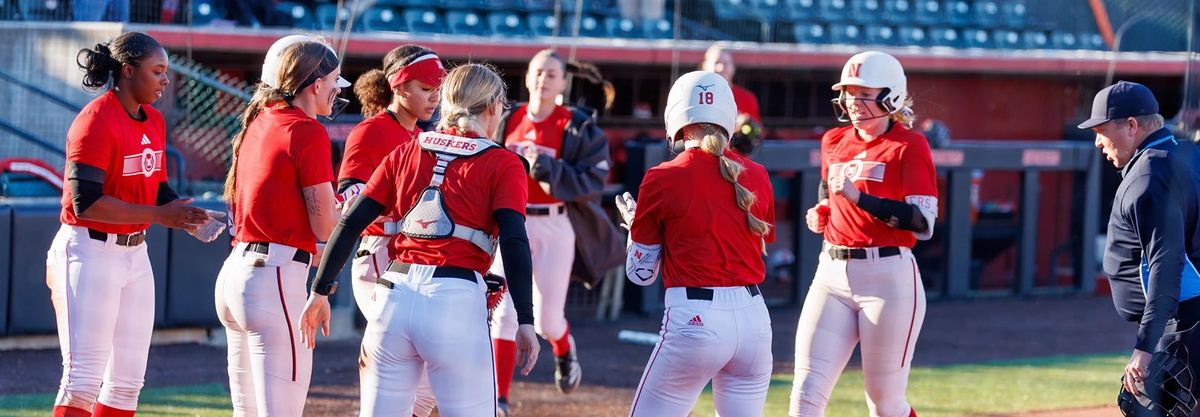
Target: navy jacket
[1153, 241]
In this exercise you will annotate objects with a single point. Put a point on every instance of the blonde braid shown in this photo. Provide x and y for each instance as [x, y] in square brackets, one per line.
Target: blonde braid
[714, 141]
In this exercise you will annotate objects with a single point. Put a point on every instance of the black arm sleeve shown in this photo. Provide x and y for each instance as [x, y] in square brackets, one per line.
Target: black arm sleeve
[86, 184]
[823, 191]
[518, 263]
[345, 183]
[165, 194]
[898, 214]
[341, 242]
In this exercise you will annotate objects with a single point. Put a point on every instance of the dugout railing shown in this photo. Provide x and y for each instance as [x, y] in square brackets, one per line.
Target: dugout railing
[950, 267]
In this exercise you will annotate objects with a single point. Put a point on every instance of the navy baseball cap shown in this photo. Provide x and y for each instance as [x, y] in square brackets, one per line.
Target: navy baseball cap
[1120, 100]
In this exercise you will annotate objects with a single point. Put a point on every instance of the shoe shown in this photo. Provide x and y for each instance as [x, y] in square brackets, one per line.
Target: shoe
[568, 374]
[502, 408]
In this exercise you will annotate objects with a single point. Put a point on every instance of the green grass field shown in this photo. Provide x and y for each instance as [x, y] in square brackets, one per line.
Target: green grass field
[999, 387]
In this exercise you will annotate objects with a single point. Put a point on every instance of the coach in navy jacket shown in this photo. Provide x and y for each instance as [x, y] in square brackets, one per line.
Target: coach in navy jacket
[1153, 242]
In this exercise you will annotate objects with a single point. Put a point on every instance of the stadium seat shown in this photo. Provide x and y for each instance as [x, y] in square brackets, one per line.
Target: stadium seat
[659, 29]
[1014, 14]
[1008, 39]
[977, 38]
[466, 22]
[986, 14]
[203, 12]
[832, 10]
[772, 10]
[601, 7]
[459, 4]
[543, 24]
[866, 11]
[506, 5]
[881, 35]
[1093, 41]
[1064, 40]
[300, 16]
[1036, 39]
[812, 33]
[928, 12]
[957, 12]
[945, 37]
[898, 12]
[620, 27]
[383, 19]
[328, 15]
[507, 24]
[401, 4]
[799, 10]
[589, 26]
[538, 5]
[845, 34]
[424, 21]
[55, 10]
[912, 36]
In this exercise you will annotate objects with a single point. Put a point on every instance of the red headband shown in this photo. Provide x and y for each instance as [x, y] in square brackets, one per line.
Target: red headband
[427, 69]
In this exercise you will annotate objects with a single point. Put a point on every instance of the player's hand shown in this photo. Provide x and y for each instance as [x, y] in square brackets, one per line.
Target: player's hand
[627, 207]
[845, 188]
[527, 348]
[1136, 371]
[531, 154]
[316, 315]
[348, 197]
[209, 231]
[817, 218]
[180, 215]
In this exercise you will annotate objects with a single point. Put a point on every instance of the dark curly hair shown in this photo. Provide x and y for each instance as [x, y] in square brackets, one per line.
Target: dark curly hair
[372, 88]
[102, 63]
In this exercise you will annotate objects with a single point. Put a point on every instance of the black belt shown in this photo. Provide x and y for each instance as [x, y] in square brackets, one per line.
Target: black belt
[694, 293]
[841, 254]
[438, 272]
[545, 211]
[132, 239]
[259, 247]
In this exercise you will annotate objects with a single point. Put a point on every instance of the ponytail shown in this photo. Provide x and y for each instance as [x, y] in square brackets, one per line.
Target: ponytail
[263, 95]
[592, 74]
[905, 115]
[373, 92]
[102, 63]
[716, 142]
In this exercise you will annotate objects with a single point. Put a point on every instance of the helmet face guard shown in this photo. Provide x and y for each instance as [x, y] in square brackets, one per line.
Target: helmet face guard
[843, 113]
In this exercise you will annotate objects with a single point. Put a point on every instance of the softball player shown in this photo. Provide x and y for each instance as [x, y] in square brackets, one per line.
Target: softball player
[460, 197]
[282, 200]
[97, 269]
[878, 197]
[705, 218]
[394, 98]
[567, 162]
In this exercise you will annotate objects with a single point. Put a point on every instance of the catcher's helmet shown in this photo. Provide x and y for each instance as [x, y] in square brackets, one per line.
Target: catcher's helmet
[874, 69]
[700, 97]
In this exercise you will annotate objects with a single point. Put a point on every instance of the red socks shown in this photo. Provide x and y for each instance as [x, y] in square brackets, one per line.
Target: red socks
[106, 411]
[64, 411]
[562, 345]
[912, 412]
[506, 360]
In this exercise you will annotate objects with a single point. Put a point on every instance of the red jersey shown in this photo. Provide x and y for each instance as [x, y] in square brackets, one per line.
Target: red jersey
[893, 166]
[369, 142]
[746, 102]
[473, 189]
[688, 207]
[545, 135]
[283, 152]
[129, 151]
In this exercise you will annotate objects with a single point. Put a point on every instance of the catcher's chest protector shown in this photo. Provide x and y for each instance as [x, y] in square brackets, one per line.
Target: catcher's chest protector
[429, 219]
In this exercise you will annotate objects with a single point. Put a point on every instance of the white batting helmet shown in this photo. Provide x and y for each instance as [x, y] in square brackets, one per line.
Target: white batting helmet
[270, 67]
[876, 69]
[700, 97]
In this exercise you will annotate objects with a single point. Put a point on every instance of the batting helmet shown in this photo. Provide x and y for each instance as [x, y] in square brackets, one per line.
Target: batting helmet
[700, 97]
[874, 69]
[270, 67]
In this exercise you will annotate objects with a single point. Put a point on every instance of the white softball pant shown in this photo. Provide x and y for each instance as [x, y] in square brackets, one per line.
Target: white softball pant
[259, 299]
[726, 340]
[428, 324]
[103, 297]
[879, 302]
[552, 245]
[370, 261]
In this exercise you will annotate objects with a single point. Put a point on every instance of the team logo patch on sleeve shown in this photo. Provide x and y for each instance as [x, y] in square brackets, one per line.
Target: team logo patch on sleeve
[145, 163]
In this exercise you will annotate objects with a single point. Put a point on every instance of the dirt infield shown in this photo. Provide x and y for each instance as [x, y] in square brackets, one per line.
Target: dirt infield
[954, 333]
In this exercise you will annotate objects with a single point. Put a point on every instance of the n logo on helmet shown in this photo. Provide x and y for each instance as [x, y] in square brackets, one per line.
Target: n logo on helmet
[853, 70]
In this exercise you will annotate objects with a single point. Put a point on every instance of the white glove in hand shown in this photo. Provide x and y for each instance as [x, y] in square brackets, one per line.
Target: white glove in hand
[626, 206]
[213, 228]
[348, 197]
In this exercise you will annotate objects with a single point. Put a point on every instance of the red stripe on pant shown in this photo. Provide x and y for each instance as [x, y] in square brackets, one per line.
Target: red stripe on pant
[65, 411]
[666, 322]
[913, 321]
[286, 319]
[106, 411]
